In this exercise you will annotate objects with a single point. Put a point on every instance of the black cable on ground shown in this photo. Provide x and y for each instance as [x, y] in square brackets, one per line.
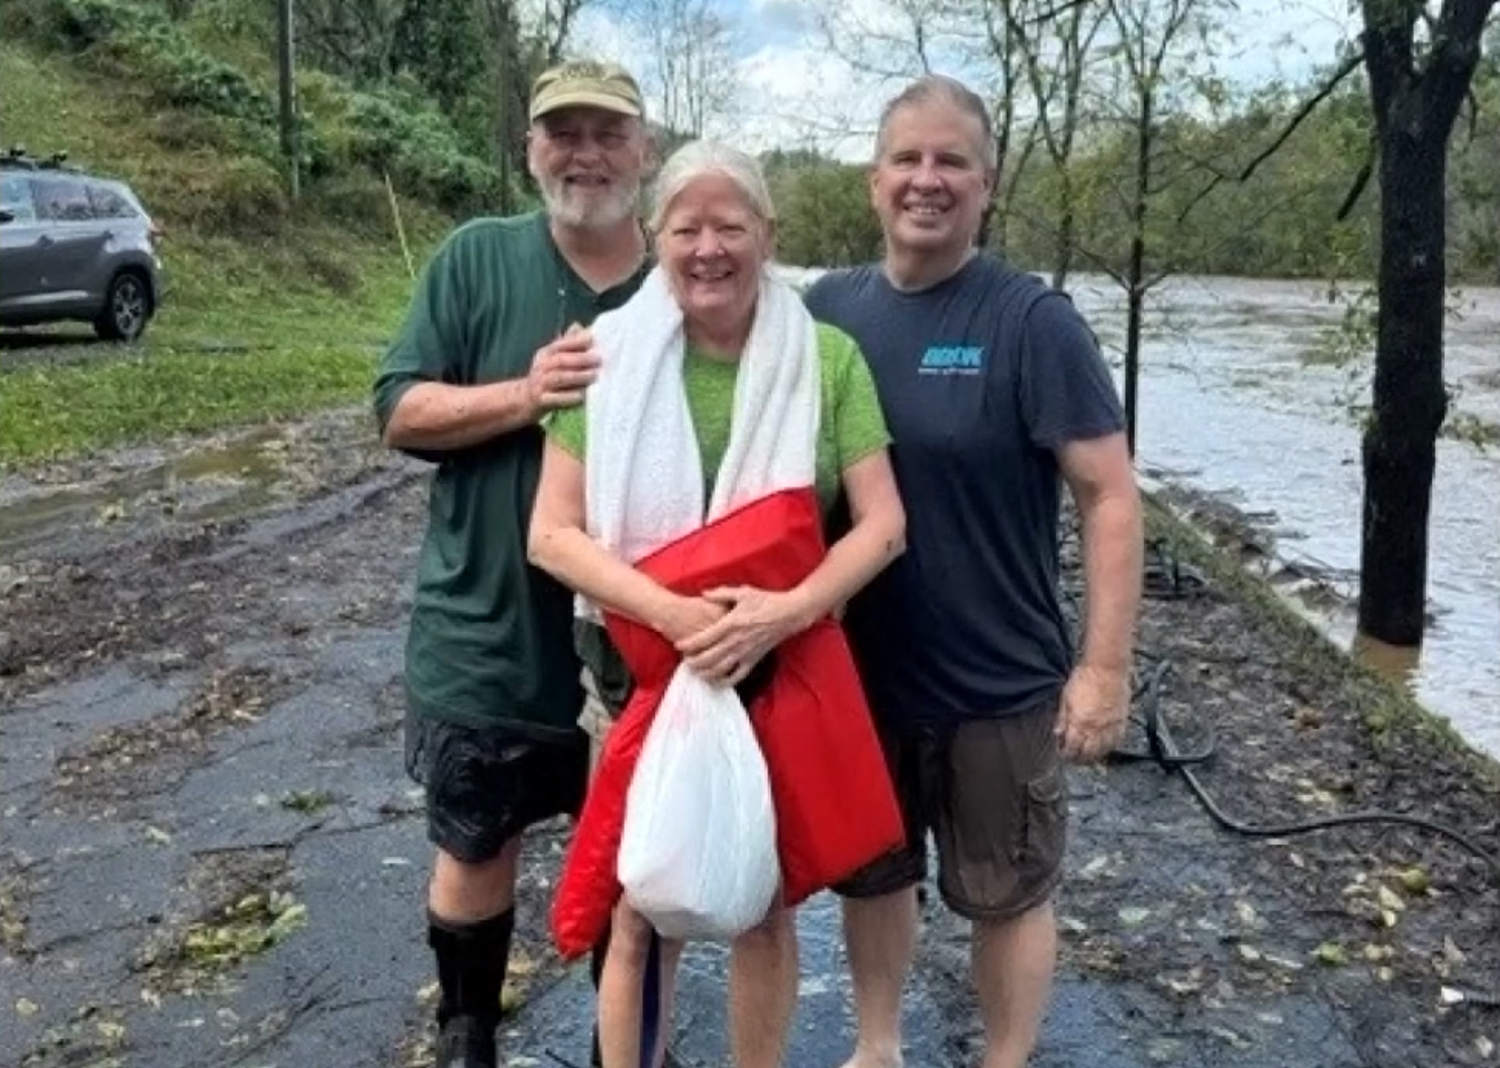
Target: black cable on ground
[1162, 750]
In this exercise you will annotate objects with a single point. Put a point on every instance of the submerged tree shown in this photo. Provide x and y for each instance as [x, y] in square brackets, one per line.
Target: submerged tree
[1420, 64]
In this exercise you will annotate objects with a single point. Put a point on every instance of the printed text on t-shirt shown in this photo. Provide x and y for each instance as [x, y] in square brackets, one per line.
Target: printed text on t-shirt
[952, 360]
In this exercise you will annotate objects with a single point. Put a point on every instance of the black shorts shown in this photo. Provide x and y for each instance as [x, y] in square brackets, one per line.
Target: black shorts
[487, 785]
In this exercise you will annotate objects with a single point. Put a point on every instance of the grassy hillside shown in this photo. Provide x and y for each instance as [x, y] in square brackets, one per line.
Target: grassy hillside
[273, 307]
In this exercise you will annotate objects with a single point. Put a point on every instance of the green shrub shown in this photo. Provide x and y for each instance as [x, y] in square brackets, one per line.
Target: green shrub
[241, 195]
[398, 132]
[330, 269]
[356, 201]
[143, 40]
[394, 129]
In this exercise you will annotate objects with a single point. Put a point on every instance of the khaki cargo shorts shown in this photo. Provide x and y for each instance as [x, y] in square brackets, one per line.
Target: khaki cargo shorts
[992, 793]
[595, 718]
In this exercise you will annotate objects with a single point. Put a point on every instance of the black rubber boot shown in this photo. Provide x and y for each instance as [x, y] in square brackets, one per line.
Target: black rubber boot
[471, 960]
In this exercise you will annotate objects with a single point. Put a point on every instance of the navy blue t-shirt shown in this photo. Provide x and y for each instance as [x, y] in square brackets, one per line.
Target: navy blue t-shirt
[982, 377]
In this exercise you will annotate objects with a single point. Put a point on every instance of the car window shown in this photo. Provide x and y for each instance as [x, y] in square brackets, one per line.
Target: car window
[61, 200]
[109, 204]
[15, 197]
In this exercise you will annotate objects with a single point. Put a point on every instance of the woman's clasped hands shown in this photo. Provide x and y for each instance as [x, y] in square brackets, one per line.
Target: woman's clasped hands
[750, 623]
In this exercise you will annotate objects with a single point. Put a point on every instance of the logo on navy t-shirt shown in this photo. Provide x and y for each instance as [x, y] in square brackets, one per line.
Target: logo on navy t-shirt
[952, 360]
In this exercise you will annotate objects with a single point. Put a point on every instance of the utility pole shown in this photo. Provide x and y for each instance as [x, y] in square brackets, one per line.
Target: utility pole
[284, 55]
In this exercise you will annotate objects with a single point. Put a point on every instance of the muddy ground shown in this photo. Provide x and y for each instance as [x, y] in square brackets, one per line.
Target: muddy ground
[209, 855]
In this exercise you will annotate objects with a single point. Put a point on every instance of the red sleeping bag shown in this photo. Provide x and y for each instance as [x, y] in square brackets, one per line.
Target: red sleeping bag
[835, 808]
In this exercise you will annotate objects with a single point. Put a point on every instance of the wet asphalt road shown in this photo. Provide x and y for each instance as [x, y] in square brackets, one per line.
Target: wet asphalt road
[146, 797]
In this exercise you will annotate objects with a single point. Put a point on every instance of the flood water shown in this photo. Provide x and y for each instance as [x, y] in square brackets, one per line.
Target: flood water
[1234, 400]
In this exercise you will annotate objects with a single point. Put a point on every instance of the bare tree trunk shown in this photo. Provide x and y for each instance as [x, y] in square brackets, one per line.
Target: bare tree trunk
[504, 59]
[1415, 106]
[1136, 293]
[1067, 225]
[1409, 399]
[1075, 50]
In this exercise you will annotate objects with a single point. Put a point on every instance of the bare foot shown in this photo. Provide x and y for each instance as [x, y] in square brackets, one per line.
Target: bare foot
[868, 1058]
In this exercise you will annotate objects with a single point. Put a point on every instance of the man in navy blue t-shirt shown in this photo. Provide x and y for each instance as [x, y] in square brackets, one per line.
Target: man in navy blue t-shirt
[995, 393]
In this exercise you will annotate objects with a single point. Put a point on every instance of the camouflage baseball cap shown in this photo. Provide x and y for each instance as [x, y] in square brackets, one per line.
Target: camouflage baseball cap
[584, 83]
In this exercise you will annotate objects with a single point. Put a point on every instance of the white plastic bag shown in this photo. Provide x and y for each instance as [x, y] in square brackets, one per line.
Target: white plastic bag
[698, 850]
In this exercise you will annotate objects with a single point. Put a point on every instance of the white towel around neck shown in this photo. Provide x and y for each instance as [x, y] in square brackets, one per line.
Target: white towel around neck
[643, 473]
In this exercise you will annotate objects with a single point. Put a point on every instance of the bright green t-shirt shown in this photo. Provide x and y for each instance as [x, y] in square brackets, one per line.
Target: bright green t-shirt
[851, 425]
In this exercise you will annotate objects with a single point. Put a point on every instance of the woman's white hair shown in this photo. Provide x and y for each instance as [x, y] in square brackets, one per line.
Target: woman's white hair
[697, 158]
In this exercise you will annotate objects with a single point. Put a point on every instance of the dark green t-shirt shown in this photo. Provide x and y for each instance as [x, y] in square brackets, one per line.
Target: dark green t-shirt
[491, 636]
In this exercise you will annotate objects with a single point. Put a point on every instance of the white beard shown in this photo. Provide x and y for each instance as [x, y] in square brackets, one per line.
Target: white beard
[588, 211]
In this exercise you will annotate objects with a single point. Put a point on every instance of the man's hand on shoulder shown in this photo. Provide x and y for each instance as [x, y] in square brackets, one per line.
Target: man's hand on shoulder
[561, 370]
[1091, 721]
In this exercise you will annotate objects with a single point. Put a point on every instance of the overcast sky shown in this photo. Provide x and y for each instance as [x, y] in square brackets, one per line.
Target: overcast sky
[797, 92]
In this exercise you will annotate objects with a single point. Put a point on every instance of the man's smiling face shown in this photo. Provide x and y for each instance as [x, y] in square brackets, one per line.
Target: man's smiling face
[930, 182]
[588, 162]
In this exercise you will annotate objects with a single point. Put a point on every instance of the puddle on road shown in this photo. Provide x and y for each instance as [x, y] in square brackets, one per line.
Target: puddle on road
[206, 485]
[219, 479]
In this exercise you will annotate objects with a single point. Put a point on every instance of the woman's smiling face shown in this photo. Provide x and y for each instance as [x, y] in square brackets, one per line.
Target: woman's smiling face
[712, 245]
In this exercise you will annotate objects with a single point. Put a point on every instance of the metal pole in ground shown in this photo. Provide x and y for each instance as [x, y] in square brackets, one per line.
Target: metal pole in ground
[284, 56]
[390, 191]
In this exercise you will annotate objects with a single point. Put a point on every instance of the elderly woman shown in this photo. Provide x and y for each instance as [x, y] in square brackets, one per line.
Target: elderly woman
[718, 351]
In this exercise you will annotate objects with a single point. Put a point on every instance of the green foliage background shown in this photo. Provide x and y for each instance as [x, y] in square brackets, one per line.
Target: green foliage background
[409, 89]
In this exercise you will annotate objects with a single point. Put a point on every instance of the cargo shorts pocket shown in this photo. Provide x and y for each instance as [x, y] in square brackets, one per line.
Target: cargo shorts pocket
[1044, 819]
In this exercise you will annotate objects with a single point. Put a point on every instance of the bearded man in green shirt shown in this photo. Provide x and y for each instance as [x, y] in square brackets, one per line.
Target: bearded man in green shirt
[490, 345]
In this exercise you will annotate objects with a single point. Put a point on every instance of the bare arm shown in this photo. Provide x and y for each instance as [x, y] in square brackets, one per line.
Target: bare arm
[559, 545]
[1099, 474]
[877, 536]
[759, 620]
[1095, 701]
[436, 415]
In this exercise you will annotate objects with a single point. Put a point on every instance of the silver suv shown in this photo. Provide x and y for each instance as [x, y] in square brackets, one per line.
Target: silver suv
[73, 246]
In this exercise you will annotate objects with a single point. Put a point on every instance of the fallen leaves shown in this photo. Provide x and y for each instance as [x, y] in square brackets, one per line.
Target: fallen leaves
[1415, 880]
[1248, 918]
[1183, 983]
[1449, 958]
[1389, 899]
[1332, 954]
[1072, 925]
[1374, 901]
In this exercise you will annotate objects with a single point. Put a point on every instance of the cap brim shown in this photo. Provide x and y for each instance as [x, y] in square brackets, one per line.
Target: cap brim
[584, 99]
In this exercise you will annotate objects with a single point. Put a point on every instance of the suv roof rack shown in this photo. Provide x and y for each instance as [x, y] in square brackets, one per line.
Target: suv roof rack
[18, 158]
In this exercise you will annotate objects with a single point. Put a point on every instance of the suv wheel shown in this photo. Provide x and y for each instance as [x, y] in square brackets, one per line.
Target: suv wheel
[127, 306]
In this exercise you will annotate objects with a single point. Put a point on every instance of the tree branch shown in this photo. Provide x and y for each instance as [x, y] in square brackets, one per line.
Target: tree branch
[565, 15]
[1361, 179]
[1350, 64]
[1094, 258]
[1052, 12]
[1455, 54]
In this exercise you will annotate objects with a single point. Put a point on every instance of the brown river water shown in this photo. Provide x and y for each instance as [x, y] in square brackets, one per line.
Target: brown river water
[1236, 401]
